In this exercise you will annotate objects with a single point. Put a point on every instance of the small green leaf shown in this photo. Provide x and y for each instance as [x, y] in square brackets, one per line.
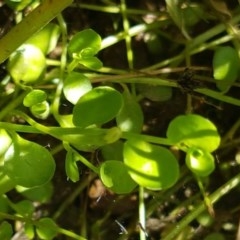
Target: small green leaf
[200, 162]
[29, 230]
[193, 131]
[91, 138]
[40, 110]
[215, 236]
[155, 93]
[113, 151]
[85, 39]
[28, 164]
[151, 166]
[75, 86]
[114, 175]
[46, 229]
[27, 64]
[38, 194]
[24, 208]
[5, 141]
[6, 231]
[34, 97]
[71, 167]
[46, 39]
[97, 106]
[130, 118]
[92, 63]
[225, 67]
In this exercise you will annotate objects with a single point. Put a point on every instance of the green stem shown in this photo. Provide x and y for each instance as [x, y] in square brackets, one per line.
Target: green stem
[147, 138]
[33, 22]
[142, 214]
[214, 197]
[126, 31]
[63, 63]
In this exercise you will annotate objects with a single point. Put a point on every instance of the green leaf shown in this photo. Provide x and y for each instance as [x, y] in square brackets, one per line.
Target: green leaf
[28, 164]
[225, 67]
[71, 167]
[4, 206]
[24, 208]
[34, 97]
[46, 229]
[6, 231]
[40, 110]
[113, 151]
[85, 39]
[151, 166]
[192, 130]
[130, 118]
[38, 194]
[215, 236]
[155, 93]
[200, 162]
[29, 230]
[97, 106]
[27, 64]
[46, 39]
[5, 141]
[114, 175]
[75, 86]
[92, 63]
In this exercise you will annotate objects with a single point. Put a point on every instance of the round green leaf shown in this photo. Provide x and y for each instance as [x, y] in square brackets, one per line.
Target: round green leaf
[225, 67]
[28, 164]
[38, 194]
[46, 39]
[193, 131]
[6, 230]
[46, 229]
[40, 110]
[215, 236]
[29, 230]
[112, 151]
[86, 39]
[200, 162]
[130, 118]
[75, 86]
[155, 93]
[27, 64]
[24, 208]
[114, 175]
[91, 62]
[151, 166]
[97, 106]
[34, 97]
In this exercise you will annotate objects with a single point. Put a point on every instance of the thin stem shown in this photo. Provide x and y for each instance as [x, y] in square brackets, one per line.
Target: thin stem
[63, 63]
[128, 39]
[147, 138]
[214, 197]
[142, 214]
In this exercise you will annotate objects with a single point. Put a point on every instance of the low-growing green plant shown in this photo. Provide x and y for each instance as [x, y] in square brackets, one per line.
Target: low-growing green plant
[105, 117]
